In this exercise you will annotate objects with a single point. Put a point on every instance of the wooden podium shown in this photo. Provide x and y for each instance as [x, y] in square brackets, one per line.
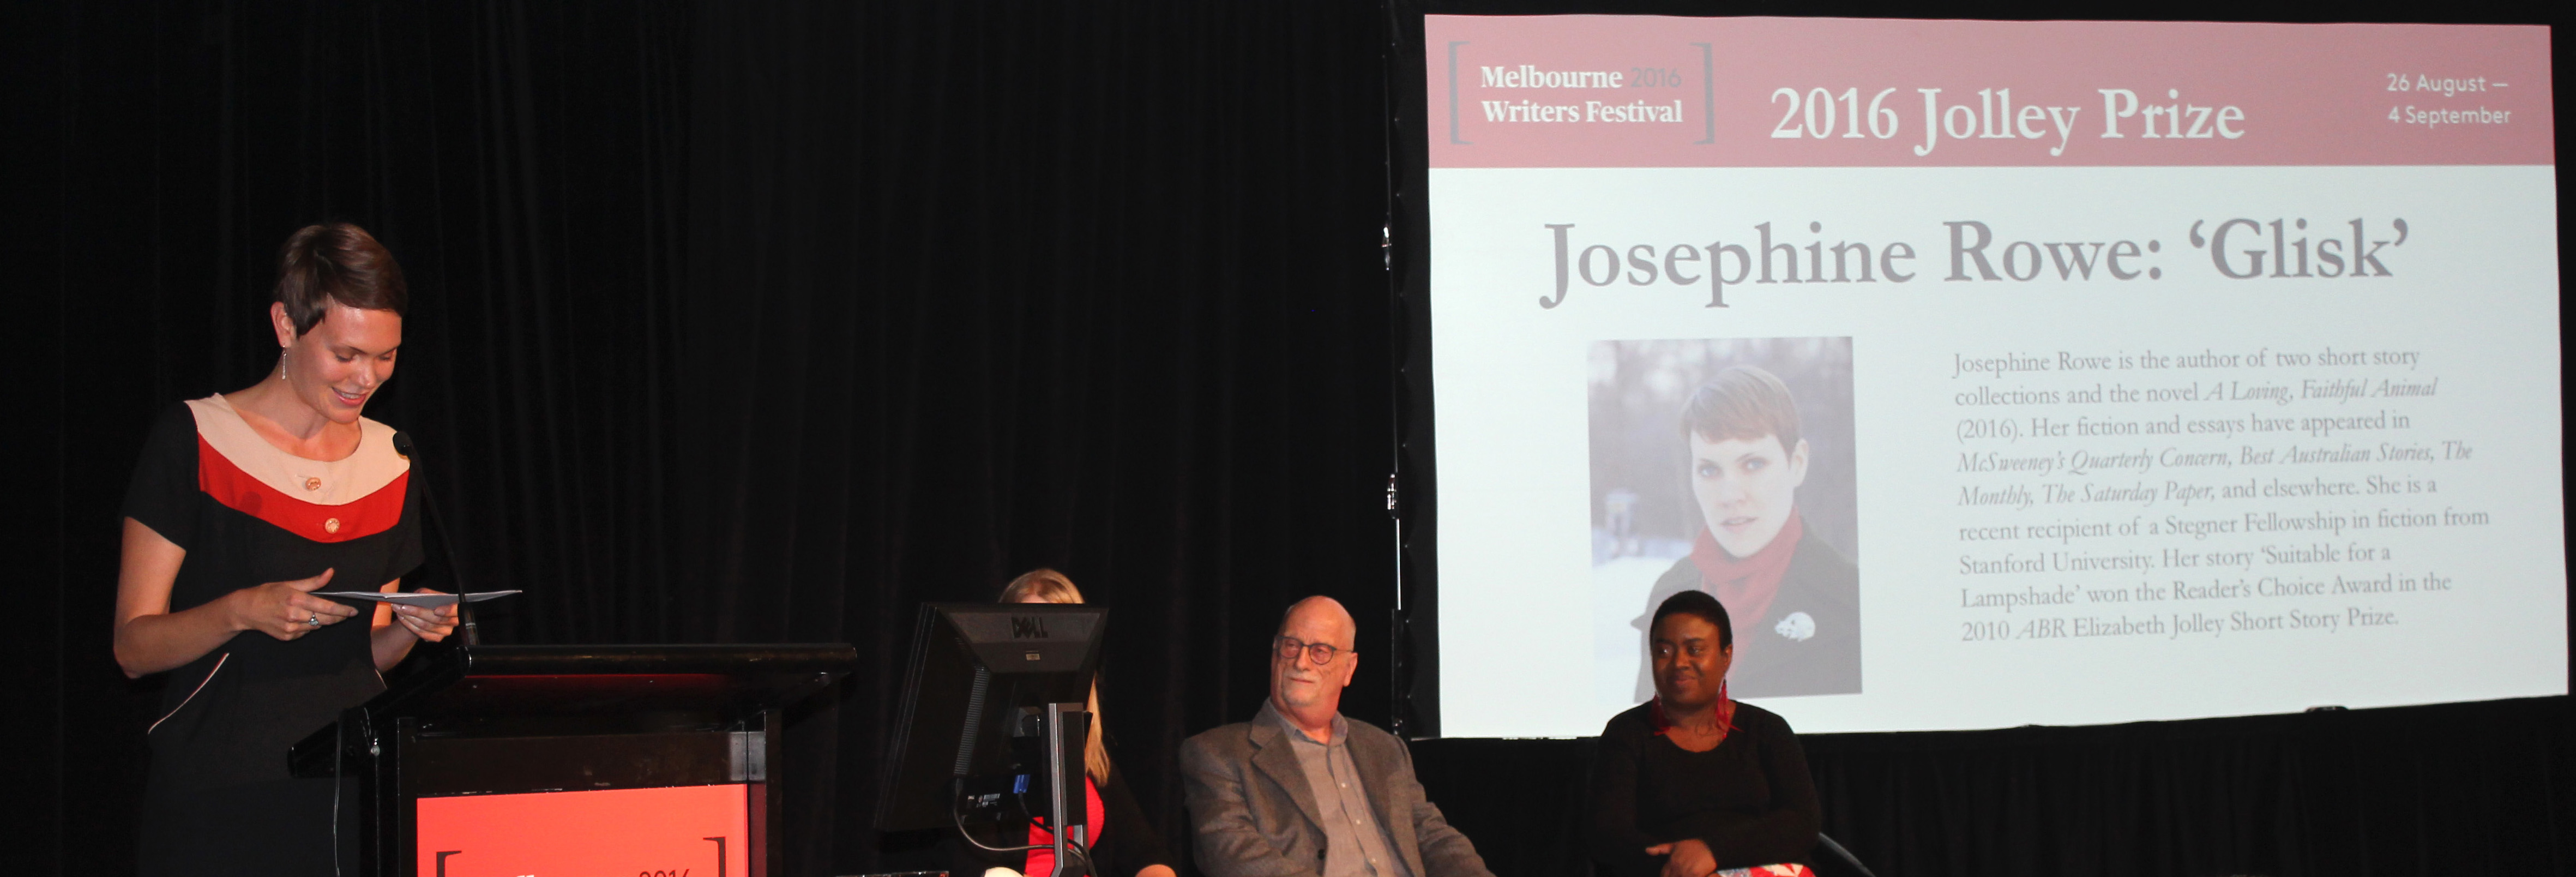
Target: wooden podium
[514, 760]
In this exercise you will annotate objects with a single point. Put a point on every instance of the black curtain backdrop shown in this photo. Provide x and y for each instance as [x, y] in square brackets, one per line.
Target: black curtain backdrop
[979, 288]
[767, 322]
[525, 163]
[745, 323]
[2475, 788]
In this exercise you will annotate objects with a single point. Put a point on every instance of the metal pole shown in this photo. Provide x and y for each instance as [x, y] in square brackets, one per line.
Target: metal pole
[1059, 818]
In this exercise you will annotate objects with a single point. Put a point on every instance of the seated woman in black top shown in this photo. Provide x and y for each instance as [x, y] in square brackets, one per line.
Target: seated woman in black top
[1691, 782]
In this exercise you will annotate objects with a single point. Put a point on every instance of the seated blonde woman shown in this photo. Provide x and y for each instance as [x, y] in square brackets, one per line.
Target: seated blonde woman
[1124, 842]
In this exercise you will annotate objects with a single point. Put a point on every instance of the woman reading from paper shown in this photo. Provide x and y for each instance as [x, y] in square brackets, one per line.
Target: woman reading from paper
[1693, 782]
[1123, 841]
[243, 505]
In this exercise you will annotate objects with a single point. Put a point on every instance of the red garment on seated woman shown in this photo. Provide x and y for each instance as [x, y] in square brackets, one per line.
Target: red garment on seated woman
[1042, 862]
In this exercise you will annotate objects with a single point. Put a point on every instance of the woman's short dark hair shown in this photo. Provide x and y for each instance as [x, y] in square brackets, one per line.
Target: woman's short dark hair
[1701, 604]
[336, 262]
[1745, 403]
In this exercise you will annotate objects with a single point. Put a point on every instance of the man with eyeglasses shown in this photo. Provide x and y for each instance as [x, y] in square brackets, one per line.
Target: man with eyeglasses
[1301, 791]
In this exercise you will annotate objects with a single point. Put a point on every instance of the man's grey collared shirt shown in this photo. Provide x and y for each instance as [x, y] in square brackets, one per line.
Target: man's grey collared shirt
[1356, 844]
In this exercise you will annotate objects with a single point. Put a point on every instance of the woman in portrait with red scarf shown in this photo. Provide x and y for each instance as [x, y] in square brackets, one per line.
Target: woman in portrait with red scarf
[1797, 597]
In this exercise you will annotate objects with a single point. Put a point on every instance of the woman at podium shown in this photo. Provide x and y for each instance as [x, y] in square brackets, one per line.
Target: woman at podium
[1124, 842]
[243, 506]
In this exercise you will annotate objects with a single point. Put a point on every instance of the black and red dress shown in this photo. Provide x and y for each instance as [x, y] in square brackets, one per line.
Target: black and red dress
[219, 800]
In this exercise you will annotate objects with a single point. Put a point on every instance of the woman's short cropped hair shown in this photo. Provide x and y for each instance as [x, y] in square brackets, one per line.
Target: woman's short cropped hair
[1744, 403]
[340, 263]
[1701, 604]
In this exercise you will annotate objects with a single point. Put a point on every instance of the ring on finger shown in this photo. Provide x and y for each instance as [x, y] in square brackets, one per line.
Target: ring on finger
[314, 619]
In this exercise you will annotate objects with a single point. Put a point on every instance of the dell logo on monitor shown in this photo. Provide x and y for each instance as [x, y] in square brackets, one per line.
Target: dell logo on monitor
[1024, 627]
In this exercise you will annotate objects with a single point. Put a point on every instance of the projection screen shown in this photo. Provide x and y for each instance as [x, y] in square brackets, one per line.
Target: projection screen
[1992, 373]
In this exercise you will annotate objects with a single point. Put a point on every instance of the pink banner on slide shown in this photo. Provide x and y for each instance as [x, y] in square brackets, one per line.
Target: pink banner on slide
[1640, 91]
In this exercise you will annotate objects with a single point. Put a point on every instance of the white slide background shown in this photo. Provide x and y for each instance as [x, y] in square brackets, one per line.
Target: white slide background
[1533, 642]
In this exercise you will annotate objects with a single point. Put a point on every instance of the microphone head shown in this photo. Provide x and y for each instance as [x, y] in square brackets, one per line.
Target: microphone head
[402, 443]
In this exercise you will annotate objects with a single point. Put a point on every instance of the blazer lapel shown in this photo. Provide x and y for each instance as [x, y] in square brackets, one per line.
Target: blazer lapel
[1272, 753]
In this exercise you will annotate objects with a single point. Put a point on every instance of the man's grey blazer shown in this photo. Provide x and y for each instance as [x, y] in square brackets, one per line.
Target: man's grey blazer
[1254, 814]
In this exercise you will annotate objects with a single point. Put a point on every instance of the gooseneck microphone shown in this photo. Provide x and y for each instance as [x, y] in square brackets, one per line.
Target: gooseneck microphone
[446, 542]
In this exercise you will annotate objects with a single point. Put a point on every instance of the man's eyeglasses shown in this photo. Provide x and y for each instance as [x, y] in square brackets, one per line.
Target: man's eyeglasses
[1289, 647]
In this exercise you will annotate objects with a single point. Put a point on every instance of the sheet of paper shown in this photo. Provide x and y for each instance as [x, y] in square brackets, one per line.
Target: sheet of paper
[413, 598]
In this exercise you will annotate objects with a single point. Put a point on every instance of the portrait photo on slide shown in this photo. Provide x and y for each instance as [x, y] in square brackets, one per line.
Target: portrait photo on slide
[1726, 465]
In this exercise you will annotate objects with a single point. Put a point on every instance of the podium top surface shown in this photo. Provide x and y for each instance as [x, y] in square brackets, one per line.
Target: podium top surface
[762, 659]
[683, 684]
[543, 691]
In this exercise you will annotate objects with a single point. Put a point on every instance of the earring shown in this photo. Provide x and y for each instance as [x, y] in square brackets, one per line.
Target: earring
[281, 363]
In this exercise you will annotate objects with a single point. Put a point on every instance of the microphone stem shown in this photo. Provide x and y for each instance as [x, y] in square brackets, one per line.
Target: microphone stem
[464, 607]
[455, 571]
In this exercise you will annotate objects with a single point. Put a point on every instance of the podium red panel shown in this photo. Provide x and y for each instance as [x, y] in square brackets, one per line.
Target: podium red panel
[688, 831]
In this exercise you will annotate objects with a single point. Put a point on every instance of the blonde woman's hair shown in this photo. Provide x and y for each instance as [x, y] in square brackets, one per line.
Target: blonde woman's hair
[1045, 584]
[1049, 586]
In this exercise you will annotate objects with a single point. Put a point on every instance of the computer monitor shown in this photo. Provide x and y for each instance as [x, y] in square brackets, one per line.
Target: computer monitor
[970, 739]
